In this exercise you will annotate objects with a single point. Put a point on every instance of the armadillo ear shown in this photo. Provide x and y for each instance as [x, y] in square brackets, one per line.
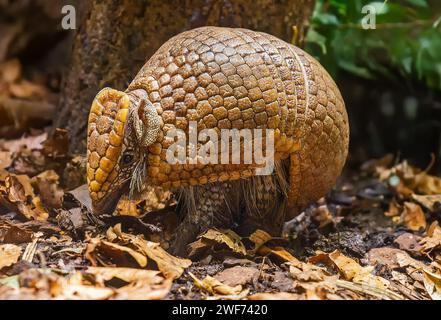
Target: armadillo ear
[146, 123]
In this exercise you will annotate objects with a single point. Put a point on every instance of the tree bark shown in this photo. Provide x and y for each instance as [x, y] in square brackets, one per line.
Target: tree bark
[115, 38]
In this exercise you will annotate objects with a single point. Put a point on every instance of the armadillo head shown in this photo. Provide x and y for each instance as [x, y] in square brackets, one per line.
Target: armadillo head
[121, 125]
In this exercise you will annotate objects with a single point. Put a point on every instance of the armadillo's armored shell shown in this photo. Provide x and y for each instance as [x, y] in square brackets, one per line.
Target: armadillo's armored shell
[235, 78]
[107, 119]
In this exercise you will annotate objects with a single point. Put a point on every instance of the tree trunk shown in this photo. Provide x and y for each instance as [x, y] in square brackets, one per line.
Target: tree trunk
[115, 38]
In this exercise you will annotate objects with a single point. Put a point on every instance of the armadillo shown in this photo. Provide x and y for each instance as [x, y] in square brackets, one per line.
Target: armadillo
[220, 78]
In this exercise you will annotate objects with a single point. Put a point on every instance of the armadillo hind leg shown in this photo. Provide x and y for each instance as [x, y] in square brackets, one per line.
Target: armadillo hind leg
[263, 206]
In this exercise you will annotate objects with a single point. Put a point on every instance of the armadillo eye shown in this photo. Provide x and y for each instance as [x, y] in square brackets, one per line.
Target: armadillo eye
[127, 158]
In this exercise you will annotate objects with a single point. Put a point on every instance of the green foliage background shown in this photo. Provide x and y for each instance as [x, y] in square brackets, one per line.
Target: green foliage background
[406, 43]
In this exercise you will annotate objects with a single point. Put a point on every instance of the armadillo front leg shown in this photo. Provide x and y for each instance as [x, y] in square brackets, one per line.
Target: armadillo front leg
[204, 207]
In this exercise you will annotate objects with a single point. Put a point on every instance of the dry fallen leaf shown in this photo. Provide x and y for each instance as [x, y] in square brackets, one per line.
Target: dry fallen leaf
[259, 238]
[10, 71]
[352, 271]
[413, 216]
[126, 274]
[215, 287]
[13, 233]
[83, 292]
[322, 215]
[393, 258]
[378, 165]
[5, 159]
[428, 184]
[307, 272]
[142, 284]
[276, 296]
[281, 253]
[127, 207]
[57, 145]
[82, 195]
[429, 202]
[432, 283]
[360, 276]
[47, 186]
[116, 251]
[228, 237]
[28, 90]
[237, 275]
[433, 239]
[142, 290]
[411, 180]
[394, 209]
[409, 242]
[18, 195]
[30, 142]
[170, 266]
[9, 254]
[89, 285]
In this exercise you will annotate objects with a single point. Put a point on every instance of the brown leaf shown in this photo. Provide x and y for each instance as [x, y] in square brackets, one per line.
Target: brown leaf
[394, 209]
[409, 242]
[126, 274]
[280, 253]
[352, 271]
[30, 142]
[413, 216]
[433, 239]
[427, 184]
[144, 290]
[12, 233]
[9, 254]
[18, 194]
[408, 180]
[82, 195]
[5, 159]
[215, 287]
[237, 275]
[429, 202]
[10, 71]
[57, 145]
[276, 296]
[393, 258]
[28, 90]
[259, 238]
[47, 185]
[307, 272]
[197, 248]
[127, 207]
[228, 237]
[378, 165]
[112, 250]
[322, 215]
[170, 266]
[18, 115]
[432, 283]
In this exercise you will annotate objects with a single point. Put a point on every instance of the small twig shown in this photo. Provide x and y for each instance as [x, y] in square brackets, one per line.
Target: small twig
[42, 258]
[30, 250]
